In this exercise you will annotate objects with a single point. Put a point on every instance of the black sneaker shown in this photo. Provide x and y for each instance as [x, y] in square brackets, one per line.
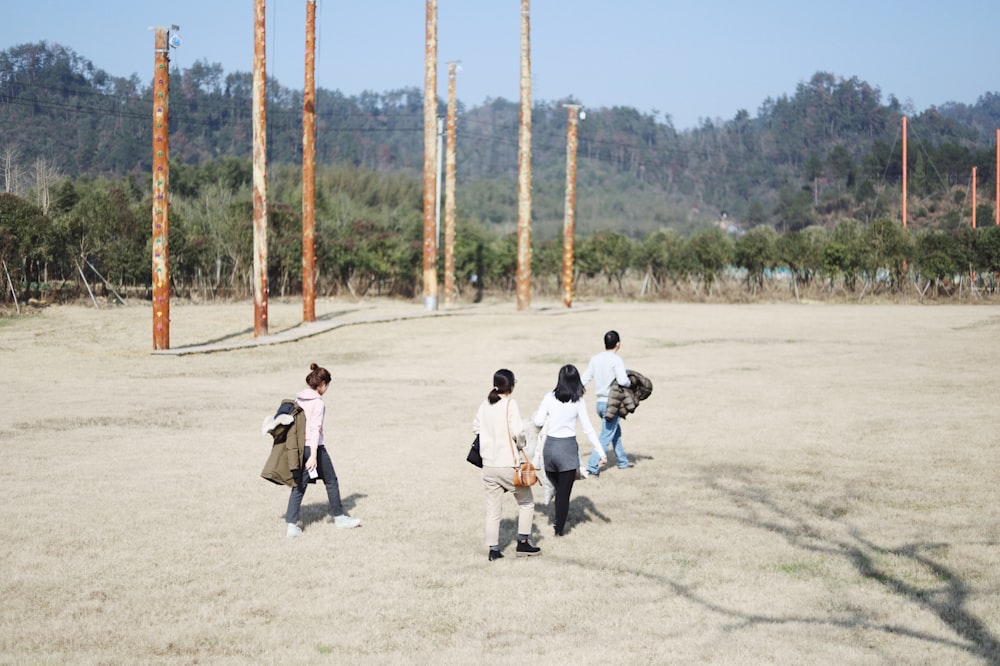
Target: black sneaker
[495, 555]
[525, 549]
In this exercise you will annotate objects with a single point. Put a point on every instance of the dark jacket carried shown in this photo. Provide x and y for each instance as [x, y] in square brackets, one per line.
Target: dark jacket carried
[622, 401]
[289, 446]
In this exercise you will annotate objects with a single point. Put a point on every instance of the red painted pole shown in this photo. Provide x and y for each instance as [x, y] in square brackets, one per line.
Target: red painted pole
[161, 197]
[524, 166]
[259, 113]
[309, 170]
[449, 191]
[430, 158]
[569, 219]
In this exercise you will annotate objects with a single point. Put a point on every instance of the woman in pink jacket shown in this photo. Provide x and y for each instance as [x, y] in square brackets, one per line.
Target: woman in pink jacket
[317, 460]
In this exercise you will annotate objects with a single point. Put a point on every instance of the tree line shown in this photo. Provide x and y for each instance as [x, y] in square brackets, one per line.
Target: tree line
[96, 235]
[829, 151]
[810, 185]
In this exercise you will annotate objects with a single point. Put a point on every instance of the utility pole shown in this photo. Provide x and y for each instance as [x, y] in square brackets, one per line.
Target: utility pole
[430, 177]
[161, 185]
[438, 165]
[449, 191]
[570, 206]
[973, 197]
[309, 170]
[904, 173]
[524, 166]
[259, 171]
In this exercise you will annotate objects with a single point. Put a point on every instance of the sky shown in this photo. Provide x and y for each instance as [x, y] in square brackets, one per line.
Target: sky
[689, 60]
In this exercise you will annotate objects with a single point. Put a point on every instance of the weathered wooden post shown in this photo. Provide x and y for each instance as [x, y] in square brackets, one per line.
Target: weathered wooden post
[259, 114]
[309, 170]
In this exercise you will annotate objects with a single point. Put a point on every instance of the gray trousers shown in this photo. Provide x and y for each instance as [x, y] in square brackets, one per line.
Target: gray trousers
[326, 473]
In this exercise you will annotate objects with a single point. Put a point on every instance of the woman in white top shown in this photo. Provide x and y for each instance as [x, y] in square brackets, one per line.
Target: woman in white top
[563, 407]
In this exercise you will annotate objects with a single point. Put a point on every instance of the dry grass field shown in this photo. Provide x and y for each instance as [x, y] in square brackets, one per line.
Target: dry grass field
[813, 484]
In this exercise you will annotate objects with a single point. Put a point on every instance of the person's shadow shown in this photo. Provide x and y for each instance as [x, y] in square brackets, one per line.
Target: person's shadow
[318, 511]
[581, 510]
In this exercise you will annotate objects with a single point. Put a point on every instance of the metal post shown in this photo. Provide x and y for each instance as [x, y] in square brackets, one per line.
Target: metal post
[449, 192]
[259, 113]
[161, 191]
[570, 206]
[309, 170]
[430, 177]
[904, 172]
[973, 197]
[524, 166]
[438, 165]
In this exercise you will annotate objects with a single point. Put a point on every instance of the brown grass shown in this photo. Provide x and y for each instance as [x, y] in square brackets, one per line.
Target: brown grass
[814, 484]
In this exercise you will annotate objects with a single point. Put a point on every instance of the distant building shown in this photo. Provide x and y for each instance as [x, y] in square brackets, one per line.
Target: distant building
[727, 225]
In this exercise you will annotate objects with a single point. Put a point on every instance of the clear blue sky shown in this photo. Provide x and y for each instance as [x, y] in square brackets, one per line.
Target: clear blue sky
[689, 59]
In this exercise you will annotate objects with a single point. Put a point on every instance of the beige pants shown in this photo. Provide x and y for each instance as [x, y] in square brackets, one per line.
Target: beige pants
[497, 481]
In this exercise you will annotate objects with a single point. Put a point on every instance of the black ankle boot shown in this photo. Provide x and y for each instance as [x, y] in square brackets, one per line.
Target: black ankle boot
[525, 549]
[495, 555]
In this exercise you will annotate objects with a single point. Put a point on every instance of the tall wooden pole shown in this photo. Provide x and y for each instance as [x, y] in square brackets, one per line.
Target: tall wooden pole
[259, 171]
[430, 159]
[161, 191]
[569, 220]
[524, 166]
[449, 191]
[309, 170]
[904, 172]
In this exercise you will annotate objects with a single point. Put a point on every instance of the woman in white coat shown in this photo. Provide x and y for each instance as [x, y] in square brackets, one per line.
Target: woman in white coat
[500, 429]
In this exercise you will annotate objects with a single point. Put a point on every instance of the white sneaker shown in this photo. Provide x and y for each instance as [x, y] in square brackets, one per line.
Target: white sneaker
[293, 531]
[345, 522]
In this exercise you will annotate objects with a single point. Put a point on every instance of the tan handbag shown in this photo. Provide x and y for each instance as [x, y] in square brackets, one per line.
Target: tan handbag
[525, 473]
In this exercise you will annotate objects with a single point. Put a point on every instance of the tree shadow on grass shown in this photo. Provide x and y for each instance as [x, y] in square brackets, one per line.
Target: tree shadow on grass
[758, 509]
[946, 597]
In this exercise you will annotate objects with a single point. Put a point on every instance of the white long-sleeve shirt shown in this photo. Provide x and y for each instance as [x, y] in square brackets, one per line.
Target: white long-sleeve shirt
[562, 418]
[604, 368]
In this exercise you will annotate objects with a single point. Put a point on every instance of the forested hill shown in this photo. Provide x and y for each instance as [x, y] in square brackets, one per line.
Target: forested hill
[827, 151]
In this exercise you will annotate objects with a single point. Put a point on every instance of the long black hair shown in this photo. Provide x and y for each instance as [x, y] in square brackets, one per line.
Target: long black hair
[569, 388]
[503, 383]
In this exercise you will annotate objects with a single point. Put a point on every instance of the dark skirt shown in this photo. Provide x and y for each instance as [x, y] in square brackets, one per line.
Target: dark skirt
[561, 454]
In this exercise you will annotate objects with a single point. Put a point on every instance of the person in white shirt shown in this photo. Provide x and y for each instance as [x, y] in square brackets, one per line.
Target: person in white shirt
[603, 369]
[562, 408]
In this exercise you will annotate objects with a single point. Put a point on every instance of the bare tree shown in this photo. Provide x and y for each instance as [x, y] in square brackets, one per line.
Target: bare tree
[10, 167]
[44, 174]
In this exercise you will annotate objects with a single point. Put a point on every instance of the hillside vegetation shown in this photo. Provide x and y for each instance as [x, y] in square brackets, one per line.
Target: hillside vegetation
[821, 164]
